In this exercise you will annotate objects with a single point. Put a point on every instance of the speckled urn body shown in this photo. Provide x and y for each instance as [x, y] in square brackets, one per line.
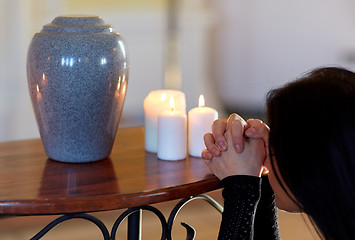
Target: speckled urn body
[77, 74]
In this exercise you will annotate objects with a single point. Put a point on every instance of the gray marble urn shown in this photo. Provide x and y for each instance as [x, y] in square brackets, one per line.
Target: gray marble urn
[77, 74]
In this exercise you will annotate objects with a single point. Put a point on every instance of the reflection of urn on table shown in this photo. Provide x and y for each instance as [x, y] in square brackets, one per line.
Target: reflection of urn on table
[77, 74]
[86, 179]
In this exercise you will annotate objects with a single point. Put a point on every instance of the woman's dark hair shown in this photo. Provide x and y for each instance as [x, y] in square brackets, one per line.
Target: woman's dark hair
[312, 137]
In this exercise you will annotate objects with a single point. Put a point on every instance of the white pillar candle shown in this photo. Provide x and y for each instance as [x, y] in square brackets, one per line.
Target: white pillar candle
[172, 134]
[156, 102]
[200, 122]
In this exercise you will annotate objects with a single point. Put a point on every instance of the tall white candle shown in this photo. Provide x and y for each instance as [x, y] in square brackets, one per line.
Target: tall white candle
[156, 102]
[200, 122]
[172, 134]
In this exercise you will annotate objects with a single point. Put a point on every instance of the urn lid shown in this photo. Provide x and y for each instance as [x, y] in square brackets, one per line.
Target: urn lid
[78, 23]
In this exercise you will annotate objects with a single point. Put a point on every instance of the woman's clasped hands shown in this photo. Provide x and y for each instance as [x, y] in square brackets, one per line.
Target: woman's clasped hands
[237, 147]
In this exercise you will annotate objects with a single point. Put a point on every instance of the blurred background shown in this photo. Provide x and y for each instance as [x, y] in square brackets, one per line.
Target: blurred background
[232, 51]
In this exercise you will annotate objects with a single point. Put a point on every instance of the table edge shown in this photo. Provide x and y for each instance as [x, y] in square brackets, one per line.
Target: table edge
[108, 202]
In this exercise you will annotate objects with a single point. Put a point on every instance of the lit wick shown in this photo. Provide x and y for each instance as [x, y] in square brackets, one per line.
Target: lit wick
[201, 101]
[172, 104]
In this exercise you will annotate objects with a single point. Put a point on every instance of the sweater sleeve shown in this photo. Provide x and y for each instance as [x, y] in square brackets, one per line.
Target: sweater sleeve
[249, 209]
[266, 223]
[241, 195]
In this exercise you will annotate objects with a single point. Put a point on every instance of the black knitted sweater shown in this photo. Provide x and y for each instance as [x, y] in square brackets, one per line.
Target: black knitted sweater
[249, 209]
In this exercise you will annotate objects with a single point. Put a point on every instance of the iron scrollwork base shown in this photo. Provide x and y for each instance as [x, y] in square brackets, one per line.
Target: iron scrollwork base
[190, 230]
[166, 225]
[66, 217]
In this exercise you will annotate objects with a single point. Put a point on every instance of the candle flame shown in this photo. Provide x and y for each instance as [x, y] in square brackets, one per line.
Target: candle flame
[172, 103]
[44, 79]
[39, 95]
[163, 97]
[124, 88]
[119, 83]
[201, 101]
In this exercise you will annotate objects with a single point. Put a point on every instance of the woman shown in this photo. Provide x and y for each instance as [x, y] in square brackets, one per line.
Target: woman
[309, 151]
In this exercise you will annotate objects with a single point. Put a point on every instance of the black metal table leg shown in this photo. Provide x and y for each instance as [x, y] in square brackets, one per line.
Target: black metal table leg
[135, 225]
[136, 221]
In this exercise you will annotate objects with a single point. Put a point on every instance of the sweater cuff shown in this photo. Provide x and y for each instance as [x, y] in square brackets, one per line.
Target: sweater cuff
[240, 186]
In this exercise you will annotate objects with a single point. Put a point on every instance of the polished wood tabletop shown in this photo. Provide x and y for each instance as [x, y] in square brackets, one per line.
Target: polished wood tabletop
[32, 184]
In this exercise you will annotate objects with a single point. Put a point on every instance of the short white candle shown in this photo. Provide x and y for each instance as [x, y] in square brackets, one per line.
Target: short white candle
[172, 134]
[156, 102]
[200, 122]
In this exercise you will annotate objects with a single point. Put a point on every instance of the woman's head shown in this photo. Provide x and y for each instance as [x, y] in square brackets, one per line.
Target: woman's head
[312, 139]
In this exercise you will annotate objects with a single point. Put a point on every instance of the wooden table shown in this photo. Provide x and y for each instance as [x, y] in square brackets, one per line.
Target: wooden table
[32, 184]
